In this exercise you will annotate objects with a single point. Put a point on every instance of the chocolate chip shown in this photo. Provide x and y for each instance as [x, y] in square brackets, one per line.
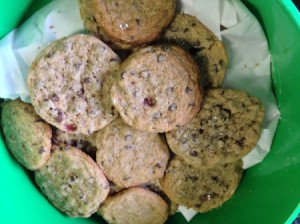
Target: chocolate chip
[215, 178]
[194, 153]
[87, 80]
[148, 101]
[193, 178]
[42, 150]
[186, 30]
[59, 118]
[128, 147]
[183, 140]
[145, 74]
[138, 21]
[80, 93]
[170, 89]
[55, 97]
[188, 90]
[240, 142]
[194, 137]
[77, 65]
[198, 205]
[172, 107]
[128, 137]
[221, 63]
[156, 115]
[158, 165]
[191, 104]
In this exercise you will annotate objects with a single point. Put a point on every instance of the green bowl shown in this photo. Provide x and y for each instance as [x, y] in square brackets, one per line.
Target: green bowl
[269, 192]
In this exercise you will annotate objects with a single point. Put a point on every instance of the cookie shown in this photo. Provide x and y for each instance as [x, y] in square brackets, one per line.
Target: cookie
[73, 182]
[127, 23]
[80, 141]
[201, 189]
[69, 84]
[189, 32]
[226, 129]
[129, 157]
[158, 89]
[27, 136]
[134, 206]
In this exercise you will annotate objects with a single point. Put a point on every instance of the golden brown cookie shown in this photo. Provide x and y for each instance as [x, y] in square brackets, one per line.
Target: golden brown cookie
[157, 89]
[129, 157]
[27, 136]
[226, 129]
[69, 84]
[134, 206]
[201, 189]
[127, 23]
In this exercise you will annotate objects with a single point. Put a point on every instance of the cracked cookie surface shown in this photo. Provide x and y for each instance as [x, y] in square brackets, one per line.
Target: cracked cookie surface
[226, 129]
[201, 189]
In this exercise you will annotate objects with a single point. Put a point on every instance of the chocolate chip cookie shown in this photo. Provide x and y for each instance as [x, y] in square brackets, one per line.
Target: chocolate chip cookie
[69, 84]
[158, 88]
[226, 129]
[189, 32]
[127, 23]
[73, 182]
[201, 189]
[27, 136]
[129, 157]
[134, 206]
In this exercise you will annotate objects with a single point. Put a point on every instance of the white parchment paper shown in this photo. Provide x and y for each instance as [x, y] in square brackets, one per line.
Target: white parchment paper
[245, 42]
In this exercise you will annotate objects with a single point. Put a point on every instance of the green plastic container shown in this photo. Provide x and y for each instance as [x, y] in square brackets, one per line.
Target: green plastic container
[269, 192]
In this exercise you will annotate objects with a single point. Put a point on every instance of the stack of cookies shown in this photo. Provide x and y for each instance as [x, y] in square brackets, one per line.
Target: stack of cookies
[131, 139]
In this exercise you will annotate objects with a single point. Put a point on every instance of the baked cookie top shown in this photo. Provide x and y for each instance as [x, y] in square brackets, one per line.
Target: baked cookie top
[210, 53]
[27, 136]
[131, 22]
[70, 81]
[129, 157]
[226, 129]
[157, 88]
[73, 182]
[134, 206]
[201, 189]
